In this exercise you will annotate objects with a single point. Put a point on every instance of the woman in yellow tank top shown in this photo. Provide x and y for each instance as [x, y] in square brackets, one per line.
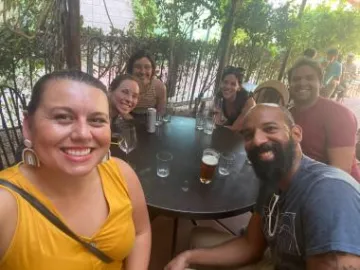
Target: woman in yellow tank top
[67, 134]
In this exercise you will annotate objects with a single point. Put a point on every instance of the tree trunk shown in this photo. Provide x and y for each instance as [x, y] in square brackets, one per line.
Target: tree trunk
[173, 67]
[72, 35]
[225, 41]
[287, 54]
[196, 79]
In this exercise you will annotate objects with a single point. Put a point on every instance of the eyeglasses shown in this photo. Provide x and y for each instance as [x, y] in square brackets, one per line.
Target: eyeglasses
[272, 225]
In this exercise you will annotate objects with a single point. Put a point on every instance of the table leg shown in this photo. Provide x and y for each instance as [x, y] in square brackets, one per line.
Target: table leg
[174, 237]
[224, 227]
[194, 222]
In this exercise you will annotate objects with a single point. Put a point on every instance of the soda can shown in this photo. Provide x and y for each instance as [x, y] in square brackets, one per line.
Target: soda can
[151, 120]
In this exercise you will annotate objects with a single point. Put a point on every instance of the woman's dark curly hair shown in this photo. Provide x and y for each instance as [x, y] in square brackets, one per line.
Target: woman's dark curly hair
[236, 71]
[138, 55]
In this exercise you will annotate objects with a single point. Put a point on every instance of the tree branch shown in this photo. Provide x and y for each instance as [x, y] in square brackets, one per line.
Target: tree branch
[107, 13]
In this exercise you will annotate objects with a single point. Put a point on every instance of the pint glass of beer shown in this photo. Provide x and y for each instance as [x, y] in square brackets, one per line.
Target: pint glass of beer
[209, 161]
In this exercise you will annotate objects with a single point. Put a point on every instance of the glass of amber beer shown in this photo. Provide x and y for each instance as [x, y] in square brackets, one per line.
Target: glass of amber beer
[209, 161]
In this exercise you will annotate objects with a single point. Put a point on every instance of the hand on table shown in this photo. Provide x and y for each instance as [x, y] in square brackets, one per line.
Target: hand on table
[178, 263]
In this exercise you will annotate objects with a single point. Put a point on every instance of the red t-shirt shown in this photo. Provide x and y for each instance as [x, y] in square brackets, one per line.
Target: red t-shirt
[327, 124]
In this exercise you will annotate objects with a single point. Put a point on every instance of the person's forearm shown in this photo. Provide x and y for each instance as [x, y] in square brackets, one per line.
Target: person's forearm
[140, 255]
[237, 252]
[238, 122]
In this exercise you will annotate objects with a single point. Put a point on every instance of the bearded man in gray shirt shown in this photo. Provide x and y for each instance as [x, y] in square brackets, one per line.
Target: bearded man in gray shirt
[307, 213]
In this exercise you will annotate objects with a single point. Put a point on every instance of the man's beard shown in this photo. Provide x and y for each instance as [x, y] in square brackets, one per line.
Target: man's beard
[272, 171]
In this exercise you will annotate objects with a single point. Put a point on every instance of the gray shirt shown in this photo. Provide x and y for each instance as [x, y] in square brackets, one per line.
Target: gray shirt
[319, 213]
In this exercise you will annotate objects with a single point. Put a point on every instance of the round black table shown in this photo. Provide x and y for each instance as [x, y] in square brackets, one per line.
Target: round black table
[181, 194]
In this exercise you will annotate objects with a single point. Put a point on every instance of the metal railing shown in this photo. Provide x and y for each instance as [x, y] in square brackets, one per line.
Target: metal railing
[12, 104]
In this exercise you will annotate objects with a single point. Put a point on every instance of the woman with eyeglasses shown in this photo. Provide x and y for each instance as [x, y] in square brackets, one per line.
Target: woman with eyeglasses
[152, 90]
[236, 101]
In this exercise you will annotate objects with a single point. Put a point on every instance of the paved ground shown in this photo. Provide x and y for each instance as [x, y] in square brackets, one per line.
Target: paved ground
[162, 233]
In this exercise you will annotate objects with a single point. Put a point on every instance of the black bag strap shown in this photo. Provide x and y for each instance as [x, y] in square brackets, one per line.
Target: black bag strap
[55, 220]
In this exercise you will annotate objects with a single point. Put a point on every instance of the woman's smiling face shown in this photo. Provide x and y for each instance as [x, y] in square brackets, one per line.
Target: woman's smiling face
[125, 97]
[229, 85]
[70, 129]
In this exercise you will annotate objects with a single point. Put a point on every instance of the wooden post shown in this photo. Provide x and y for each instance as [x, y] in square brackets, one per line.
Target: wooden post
[72, 34]
[196, 78]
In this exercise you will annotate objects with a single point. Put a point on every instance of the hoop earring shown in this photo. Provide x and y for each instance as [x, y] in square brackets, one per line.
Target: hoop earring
[29, 156]
[107, 157]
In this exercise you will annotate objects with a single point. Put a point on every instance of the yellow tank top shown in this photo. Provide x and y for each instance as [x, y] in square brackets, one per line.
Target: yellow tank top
[37, 244]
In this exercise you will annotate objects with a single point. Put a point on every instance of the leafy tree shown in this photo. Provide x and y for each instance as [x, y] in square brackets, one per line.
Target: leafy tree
[146, 17]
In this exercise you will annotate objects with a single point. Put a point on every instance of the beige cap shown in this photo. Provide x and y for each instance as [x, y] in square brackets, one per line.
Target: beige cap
[278, 86]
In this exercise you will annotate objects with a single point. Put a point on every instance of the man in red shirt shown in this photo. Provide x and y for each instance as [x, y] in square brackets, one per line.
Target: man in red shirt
[329, 128]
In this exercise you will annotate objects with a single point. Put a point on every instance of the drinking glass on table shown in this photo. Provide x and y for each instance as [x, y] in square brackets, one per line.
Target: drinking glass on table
[168, 113]
[127, 139]
[163, 163]
[209, 161]
[199, 121]
[159, 119]
[226, 163]
[209, 125]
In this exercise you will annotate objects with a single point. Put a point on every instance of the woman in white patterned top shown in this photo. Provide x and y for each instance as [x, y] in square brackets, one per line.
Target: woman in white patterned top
[152, 91]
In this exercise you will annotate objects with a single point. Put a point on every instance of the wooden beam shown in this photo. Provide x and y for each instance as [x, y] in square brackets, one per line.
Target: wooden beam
[72, 35]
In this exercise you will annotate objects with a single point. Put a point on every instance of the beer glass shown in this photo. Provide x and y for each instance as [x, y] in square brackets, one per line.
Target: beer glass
[209, 161]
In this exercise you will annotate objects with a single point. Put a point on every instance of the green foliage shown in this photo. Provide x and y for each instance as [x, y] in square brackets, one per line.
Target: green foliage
[24, 42]
[253, 18]
[176, 18]
[323, 27]
[146, 14]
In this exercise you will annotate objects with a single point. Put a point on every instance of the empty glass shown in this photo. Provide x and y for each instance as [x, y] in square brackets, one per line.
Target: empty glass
[226, 163]
[163, 163]
[199, 121]
[209, 125]
[159, 119]
[127, 139]
[168, 114]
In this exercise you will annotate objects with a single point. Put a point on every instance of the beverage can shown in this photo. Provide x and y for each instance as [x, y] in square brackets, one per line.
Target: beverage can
[151, 120]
